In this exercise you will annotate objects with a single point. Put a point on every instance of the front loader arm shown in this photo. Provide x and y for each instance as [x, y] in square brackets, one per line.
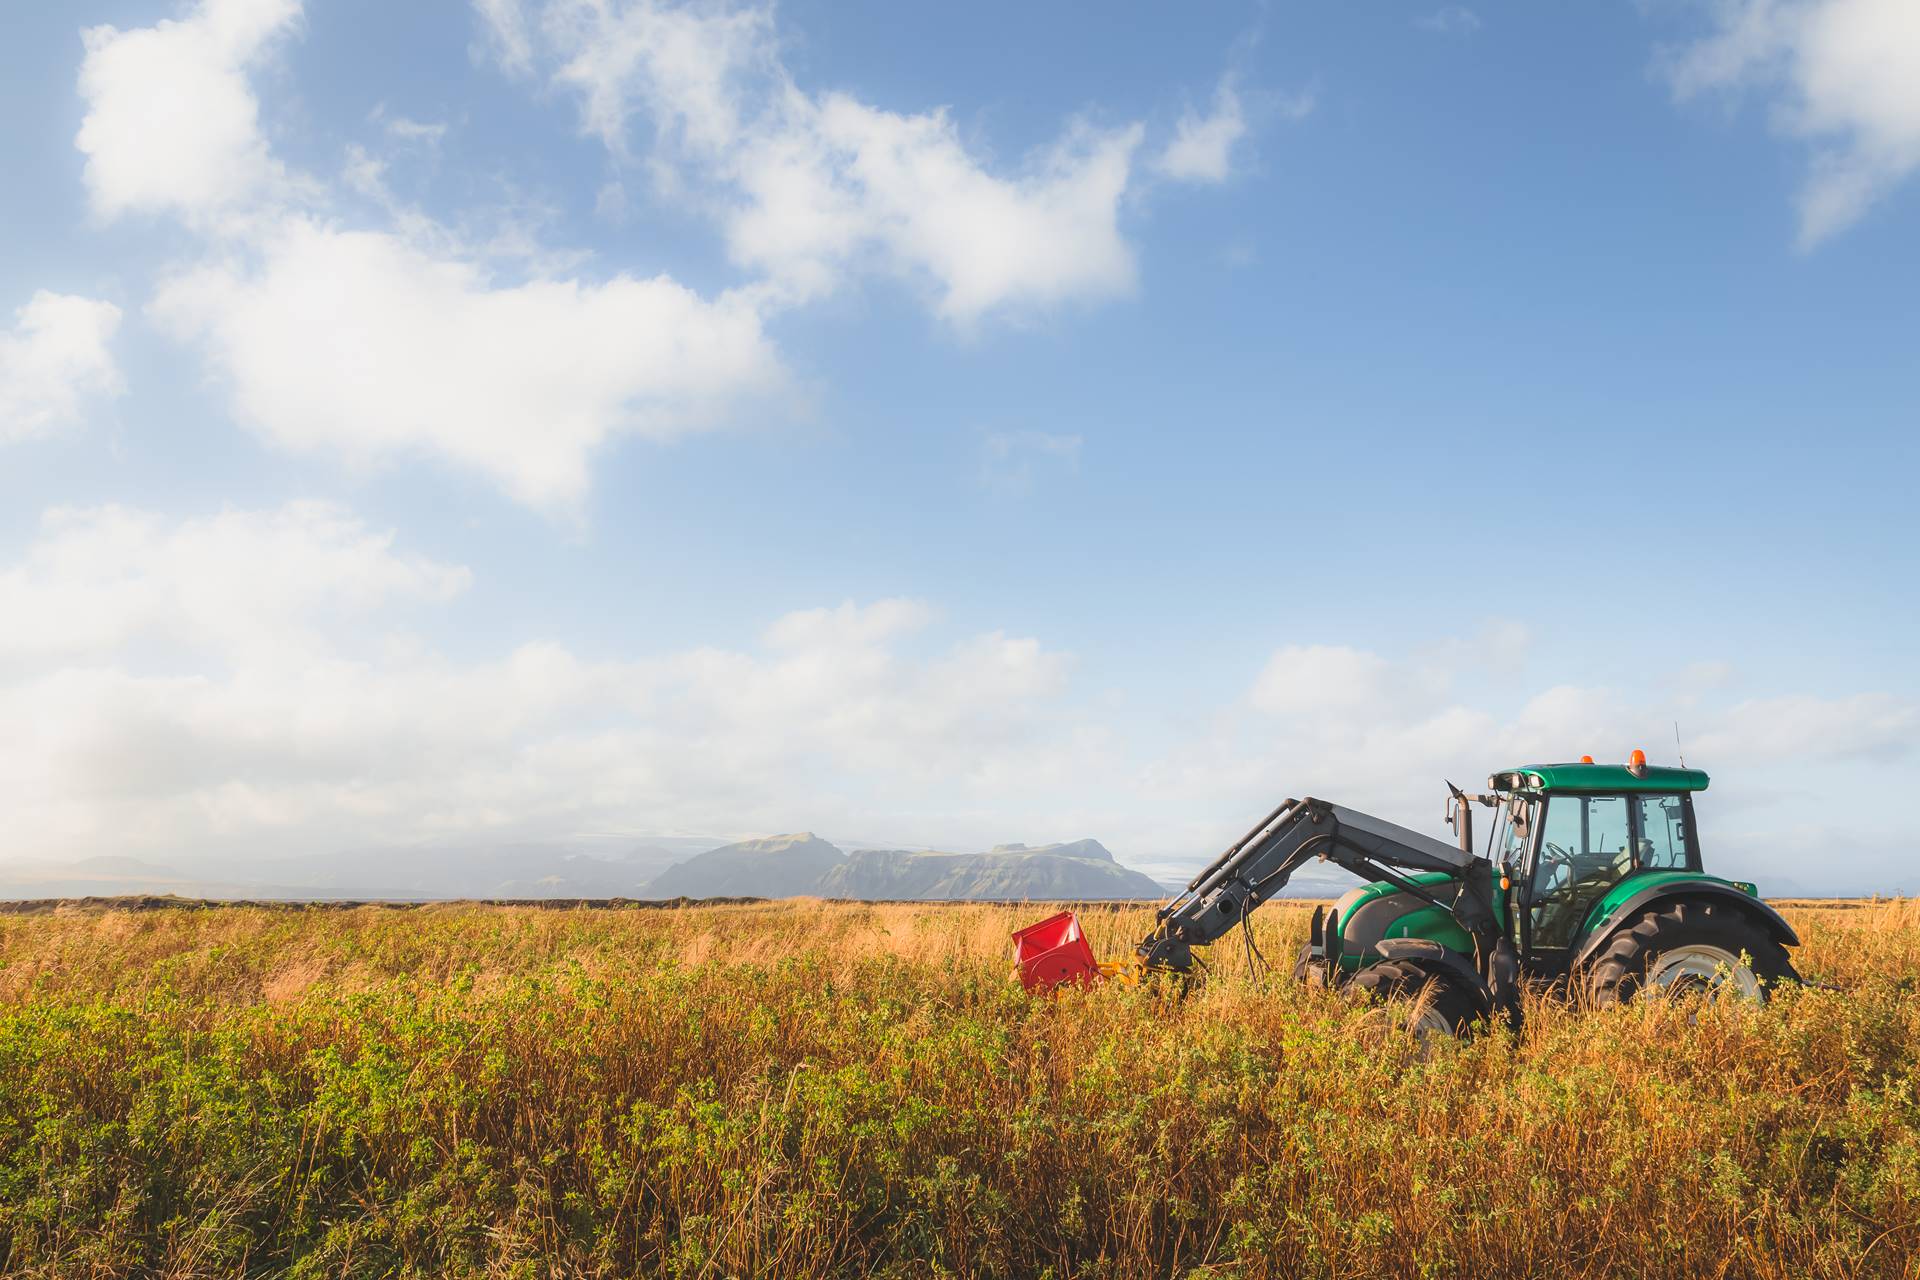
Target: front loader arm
[1259, 864]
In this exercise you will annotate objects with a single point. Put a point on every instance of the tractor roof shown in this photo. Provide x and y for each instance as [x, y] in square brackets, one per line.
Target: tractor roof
[1596, 777]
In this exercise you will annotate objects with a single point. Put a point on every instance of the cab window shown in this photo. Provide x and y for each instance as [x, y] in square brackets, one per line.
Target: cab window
[1662, 842]
[1517, 834]
[1584, 850]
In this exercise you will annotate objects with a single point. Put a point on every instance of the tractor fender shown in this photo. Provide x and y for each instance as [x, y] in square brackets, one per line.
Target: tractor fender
[1442, 962]
[1711, 890]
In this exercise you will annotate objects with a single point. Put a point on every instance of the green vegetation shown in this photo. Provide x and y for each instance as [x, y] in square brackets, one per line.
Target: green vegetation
[803, 1089]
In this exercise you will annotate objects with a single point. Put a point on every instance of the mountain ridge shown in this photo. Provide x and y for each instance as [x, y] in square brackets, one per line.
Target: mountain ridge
[787, 866]
[804, 864]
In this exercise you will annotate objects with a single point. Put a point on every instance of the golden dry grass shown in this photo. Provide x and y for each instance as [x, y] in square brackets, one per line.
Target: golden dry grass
[806, 1089]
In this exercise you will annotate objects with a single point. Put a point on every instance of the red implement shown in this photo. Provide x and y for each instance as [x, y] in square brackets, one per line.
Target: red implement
[1054, 953]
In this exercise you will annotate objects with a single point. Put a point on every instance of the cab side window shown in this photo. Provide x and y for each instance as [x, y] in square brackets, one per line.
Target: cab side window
[1663, 833]
[1584, 851]
[1518, 833]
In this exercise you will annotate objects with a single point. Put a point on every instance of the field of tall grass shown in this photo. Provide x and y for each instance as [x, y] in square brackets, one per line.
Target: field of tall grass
[812, 1089]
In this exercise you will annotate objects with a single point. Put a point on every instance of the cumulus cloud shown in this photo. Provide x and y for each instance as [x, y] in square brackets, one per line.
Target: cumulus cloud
[207, 685]
[1330, 680]
[366, 345]
[172, 124]
[53, 360]
[1202, 146]
[811, 187]
[1844, 76]
[99, 579]
[1869, 726]
[389, 342]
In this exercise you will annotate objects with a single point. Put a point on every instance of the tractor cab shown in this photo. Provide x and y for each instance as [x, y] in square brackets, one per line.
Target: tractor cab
[1571, 838]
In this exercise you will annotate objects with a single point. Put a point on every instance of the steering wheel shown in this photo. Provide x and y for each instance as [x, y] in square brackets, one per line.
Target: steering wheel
[1553, 858]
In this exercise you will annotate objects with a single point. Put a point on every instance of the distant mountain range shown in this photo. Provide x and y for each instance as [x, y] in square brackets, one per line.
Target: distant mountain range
[667, 867]
[1082, 869]
[787, 866]
[776, 867]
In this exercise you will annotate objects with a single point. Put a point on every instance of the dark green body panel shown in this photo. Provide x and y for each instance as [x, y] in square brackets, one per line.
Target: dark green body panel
[1422, 921]
[1436, 925]
[1439, 925]
[1603, 912]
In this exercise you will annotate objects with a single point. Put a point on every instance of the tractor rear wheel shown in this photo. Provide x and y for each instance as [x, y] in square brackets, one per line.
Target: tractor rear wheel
[1439, 1007]
[1689, 946]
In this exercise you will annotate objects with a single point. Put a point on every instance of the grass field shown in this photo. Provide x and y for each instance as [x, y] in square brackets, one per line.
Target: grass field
[809, 1089]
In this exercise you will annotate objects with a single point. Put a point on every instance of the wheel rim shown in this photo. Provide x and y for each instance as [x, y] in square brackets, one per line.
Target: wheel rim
[1429, 1022]
[1700, 967]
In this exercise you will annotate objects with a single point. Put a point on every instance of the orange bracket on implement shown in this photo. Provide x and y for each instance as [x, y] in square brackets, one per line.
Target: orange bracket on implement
[1055, 952]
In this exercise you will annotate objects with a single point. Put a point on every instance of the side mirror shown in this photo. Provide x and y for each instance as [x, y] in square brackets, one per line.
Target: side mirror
[1460, 818]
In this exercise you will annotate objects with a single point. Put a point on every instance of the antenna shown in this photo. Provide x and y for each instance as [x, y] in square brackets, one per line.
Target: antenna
[1681, 751]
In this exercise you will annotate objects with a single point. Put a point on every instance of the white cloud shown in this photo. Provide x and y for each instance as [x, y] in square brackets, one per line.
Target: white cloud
[703, 74]
[237, 584]
[849, 625]
[1845, 75]
[1328, 680]
[812, 187]
[507, 40]
[222, 685]
[172, 125]
[53, 359]
[375, 344]
[1872, 726]
[1048, 236]
[421, 132]
[1202, 146]
[363, 344]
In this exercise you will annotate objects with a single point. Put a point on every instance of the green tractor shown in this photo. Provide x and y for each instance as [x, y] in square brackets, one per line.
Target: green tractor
[1591, 884]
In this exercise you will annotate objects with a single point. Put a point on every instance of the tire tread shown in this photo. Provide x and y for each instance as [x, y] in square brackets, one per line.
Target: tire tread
[1616, 976]
[1405, 980]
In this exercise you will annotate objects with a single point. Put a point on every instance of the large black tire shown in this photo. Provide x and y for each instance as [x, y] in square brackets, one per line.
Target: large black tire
[1438, 1005]
[1689, 945]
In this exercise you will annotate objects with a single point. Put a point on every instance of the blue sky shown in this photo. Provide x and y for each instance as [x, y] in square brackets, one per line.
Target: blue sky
[591, 417]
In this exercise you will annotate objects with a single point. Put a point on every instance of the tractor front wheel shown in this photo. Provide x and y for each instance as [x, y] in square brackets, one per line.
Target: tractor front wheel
[1438, 1006]
[1689, 946]
[1311, 969]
